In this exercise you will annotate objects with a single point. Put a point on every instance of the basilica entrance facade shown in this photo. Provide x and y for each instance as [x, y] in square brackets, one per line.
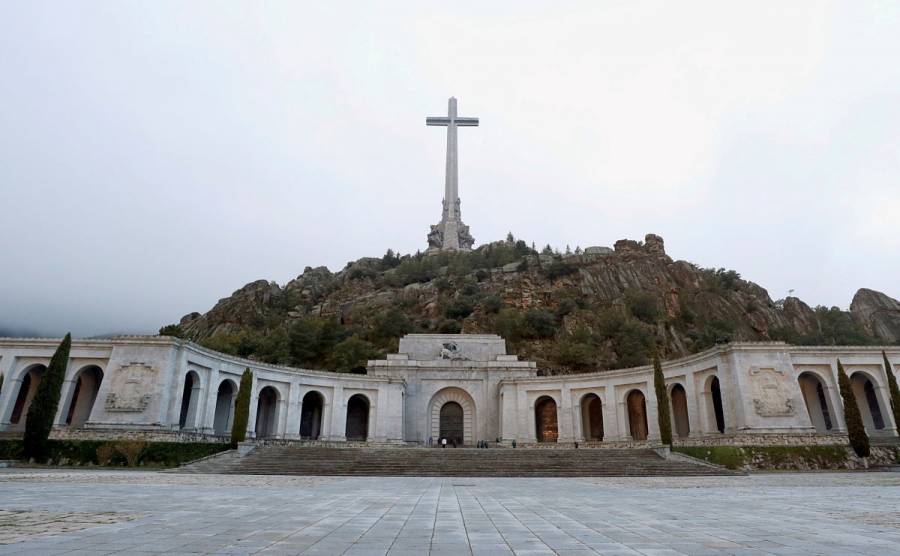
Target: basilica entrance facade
[452, 416]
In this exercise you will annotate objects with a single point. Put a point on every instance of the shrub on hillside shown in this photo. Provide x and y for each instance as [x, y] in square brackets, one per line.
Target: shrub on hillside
[351, 355]
[540, 323]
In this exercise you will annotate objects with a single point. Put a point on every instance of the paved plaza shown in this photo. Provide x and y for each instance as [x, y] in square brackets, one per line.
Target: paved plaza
[106, 512]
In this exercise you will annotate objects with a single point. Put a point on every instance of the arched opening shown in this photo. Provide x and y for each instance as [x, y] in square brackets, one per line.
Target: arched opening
[27, 388]
[680, 411]
[867, 401]
[87, 385]
[816, 401]
[637, 415]
[716, 412]
[443, 417]
[311, 410]
[189, 399]
[224, 407]
[357, 418]
[545, 420]
[267, 412]
[451, 426]
[592, 418]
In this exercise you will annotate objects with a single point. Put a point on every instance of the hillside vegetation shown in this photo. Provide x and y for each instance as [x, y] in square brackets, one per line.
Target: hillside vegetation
[577, 311]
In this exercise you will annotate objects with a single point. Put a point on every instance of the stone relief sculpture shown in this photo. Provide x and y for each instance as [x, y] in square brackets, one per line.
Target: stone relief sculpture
[435, 237]
[130, 387]
[771, 398]
[450, 350]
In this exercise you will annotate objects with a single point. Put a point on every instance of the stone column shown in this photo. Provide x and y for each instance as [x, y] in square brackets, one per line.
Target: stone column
[566, 432]
[693, 406]
[622, 420]
[207, 422]
[65, 401]
[338, 427]
[294, 409]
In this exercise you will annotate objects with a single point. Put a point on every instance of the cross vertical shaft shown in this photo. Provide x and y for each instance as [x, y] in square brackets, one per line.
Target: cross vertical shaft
[451, 233]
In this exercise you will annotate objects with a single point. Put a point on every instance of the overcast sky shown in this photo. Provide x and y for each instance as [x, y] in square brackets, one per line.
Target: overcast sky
[156, 156]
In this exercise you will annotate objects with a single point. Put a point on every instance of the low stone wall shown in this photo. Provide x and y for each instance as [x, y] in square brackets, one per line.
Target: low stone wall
[765, 439]
[791, 458]
[156, 435]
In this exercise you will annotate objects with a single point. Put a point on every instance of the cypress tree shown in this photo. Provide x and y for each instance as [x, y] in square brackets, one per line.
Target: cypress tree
[859, 440]
[242, 409]
[662, 403]
[42, 411]
[892, 387]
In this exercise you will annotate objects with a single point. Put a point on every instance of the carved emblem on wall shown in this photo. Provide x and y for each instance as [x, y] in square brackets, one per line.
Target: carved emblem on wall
[450, 350]
[130, 388]
[771, 397]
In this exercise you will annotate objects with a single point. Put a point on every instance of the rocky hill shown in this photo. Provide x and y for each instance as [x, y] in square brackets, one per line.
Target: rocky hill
[595, 309]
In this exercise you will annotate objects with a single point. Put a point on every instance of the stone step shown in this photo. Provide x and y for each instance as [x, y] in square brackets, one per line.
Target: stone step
[430, 462]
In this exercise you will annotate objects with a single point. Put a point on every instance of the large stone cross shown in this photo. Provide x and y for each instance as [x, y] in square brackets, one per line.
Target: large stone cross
[450, 234]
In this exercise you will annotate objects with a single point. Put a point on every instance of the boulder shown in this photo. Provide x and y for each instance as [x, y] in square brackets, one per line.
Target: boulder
[877, 314]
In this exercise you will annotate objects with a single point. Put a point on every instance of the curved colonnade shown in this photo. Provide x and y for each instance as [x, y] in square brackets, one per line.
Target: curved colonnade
[164, 386]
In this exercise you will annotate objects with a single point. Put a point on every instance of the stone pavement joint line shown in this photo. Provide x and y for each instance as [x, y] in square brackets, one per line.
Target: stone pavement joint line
[110, 512]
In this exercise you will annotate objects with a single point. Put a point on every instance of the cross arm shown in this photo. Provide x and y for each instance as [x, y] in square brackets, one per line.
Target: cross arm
[437, 121]
[467, 121]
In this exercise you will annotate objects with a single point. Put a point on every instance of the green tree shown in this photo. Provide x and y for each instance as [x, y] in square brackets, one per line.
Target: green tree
[42, 410]
[540, 323]
[892, 387]
[242, 409]
[389, 325]
[351, 354]
[859, 440]
[172, 330]
[662, 403]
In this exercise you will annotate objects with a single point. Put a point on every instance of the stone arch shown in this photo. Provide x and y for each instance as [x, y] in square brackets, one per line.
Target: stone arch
[224, 415]
[818, 406]
[81, 402]
[461, 398]
[312, 409]
[190, 400]
[871, 406]
[680, 420]
[715, 410]
[636, 405]
[357, 417]
[267, 412]
[28, 385]
[546, 420]
[591, 418]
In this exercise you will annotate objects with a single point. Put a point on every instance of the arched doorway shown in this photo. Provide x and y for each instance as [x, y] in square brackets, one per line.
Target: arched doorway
[817, 405]
[452, 423]
[189, 400]
[637, 415]
[680, 411]
[592, 418]
[357, 418]
[545, 420]
[311, 410]
[715, 410]
[867, 400]
[31, 378]
[267, 413]
[224, 407]
[87, 385]
[437, 426]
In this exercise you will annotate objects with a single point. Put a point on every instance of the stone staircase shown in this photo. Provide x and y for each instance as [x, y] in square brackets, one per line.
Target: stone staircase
[451, 462]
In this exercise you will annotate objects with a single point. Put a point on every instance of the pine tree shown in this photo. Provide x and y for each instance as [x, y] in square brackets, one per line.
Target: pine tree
[242, 409]
[42, 411]
[892, 387]
[859, 440]
[662, 403]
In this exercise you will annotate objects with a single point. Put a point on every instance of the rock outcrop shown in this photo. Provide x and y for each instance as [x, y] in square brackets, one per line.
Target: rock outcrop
[596, 309]
[877, 314]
